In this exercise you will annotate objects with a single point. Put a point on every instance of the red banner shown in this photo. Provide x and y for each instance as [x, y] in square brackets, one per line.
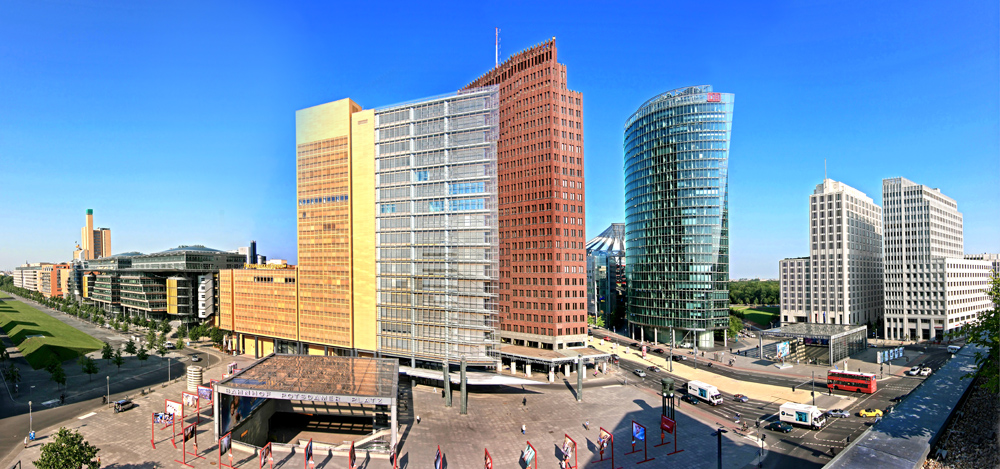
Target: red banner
[667, 424]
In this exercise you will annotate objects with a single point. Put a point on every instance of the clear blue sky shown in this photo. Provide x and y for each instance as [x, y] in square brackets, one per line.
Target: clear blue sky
[174, 121]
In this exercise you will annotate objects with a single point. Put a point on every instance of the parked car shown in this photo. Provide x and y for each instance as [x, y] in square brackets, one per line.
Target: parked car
[925, 371]
[123, 405]
[639, 373]
[740, 398]
[686, 345]
[607, 338]
[635, 345]
[652, 368]
[659, 351]
[678, 358]
[913, 371]
[870, 413]
[689, 398]
[782, 427]
[169, 345]
[839, 413]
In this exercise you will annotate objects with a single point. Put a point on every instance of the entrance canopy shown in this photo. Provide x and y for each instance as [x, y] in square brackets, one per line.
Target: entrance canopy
[843, 340]
[351, 380]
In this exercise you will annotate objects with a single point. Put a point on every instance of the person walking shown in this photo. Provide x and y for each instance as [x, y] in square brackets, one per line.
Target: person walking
[418, 419]
[523, 429]
[25, 442]
[586, 424]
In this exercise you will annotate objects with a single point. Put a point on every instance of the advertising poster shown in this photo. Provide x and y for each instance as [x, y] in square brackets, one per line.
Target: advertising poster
[567, 447]
[226, 443]
[190, 400]
[666, 424]
[352, 457]
[488, 464]
[161, 417]
[603, 439]
[265, 454]
[529, 455]
[638, 432]
[189, 432]
[233, 409]
[174, 408]
[438, 458]
[205, 393]
[783, 349]
[309, 451]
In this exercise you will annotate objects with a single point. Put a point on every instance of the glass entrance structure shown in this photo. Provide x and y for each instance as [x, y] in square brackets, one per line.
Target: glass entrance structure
[676, 213]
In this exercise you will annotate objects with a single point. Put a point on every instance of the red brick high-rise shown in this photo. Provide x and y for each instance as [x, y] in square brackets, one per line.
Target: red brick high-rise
[543, 296]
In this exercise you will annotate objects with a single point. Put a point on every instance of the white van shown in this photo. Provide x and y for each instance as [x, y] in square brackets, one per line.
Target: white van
[954, 348]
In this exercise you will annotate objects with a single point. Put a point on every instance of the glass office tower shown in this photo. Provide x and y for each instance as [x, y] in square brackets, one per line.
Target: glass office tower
[676, 214]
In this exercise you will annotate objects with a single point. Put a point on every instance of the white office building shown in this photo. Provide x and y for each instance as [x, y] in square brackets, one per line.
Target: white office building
[841, 280]
[930, 285]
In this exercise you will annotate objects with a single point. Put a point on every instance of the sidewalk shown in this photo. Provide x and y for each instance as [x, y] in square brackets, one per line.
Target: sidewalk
[124, 438]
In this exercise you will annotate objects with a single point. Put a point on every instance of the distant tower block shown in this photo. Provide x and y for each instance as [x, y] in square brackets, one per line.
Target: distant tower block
[94, 243]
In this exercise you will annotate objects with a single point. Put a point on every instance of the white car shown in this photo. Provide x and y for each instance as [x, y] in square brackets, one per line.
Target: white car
[913, 371]
[925, 371]
[686, 345]
[639, 373]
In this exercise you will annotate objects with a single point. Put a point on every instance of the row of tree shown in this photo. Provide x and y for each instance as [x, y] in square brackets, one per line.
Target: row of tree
[754, 292]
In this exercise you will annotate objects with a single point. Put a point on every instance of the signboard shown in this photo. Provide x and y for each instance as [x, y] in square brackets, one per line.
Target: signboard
[666, 424]
[205, 393]
[174, 408]
[189, 432]
[298, 396]
[309, 452]
[567, 447]
[603, 439]
[783, 349]
[438, 459]
[638, 432]
[265, 454]
[189, 399]
[529, 455]
[488, 464]
[226, 443]
[352, 457]
[713, 97]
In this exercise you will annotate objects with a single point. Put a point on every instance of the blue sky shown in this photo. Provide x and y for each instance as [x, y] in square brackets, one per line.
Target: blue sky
[174, 121]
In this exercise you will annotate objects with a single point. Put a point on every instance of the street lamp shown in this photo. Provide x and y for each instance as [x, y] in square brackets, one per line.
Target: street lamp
[719, 434]
[109, 388]
[760, 456]
[29, 417]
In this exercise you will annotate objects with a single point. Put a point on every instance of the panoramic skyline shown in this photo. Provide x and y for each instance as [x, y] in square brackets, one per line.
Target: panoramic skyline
[177, 127]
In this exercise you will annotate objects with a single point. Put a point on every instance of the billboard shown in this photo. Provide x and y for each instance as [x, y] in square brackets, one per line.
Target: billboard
[783, 348]
[233, 409]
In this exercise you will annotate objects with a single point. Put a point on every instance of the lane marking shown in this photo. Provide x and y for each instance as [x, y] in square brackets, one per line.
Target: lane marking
[85, 416]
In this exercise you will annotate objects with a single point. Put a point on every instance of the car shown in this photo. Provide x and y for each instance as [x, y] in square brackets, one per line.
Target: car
[123, 404]
[689, 398]
[614, 357]
[636, 345]
[607, 338]
[740, 398]
[678, 358]
[925, 371]
[196, 358]
[659, 351]
[913, 371]
[639, 373]
[899, 398]
[653, 368]
[686, 345]
[169, 345]
[870, 413]
[782, 427]
[839, 413]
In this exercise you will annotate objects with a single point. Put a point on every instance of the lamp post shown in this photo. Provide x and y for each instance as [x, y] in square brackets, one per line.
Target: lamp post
[29, 418]
[719, 434]
[760, 455]
[109, 388]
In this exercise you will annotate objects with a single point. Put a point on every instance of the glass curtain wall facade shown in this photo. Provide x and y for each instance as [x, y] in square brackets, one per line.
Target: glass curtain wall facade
[437, 228]
[676, 212]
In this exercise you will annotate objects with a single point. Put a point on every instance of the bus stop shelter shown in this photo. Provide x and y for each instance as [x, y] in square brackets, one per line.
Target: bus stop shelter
[842, 340]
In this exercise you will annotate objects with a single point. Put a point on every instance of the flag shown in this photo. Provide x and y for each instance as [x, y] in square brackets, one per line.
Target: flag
[638, 432]
[438, 460]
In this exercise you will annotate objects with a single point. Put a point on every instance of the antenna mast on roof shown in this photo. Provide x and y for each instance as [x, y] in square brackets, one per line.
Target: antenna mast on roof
[824, 169]
[496, 47]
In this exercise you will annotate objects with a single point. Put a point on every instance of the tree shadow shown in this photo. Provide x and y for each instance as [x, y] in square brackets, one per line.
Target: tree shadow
[141, 465]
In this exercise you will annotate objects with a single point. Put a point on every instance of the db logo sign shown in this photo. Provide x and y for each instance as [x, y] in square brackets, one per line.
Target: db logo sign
[713, 97]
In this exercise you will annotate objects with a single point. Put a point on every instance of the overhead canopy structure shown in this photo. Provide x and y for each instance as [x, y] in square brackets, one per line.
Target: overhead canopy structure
[312, 378]
[843, 340]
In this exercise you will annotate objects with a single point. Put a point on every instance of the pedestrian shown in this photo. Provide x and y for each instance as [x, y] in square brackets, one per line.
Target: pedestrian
[523, 429]
[524, 401]
[586, 424]
[418, 419]
[25, 442]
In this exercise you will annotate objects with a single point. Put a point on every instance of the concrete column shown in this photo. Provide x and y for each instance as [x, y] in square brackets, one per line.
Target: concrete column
[464, 406]
[604, 367]
[447, 383]
[552, 373]
[580, 371]
[394, 432]
[527, 369]
[566, 370]
[583, 369]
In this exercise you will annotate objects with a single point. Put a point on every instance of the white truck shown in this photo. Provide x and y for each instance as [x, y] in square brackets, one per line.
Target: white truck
[802, 414]
[705, 392]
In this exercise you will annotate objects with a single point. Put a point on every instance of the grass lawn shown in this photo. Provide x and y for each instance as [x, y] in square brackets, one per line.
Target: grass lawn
[761, 315]
[4, 295]
[59, 341]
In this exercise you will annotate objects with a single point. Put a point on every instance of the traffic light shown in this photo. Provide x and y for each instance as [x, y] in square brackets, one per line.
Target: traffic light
[793, 387]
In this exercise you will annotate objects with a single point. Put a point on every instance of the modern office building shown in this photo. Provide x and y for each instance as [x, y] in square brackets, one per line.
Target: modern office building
[50, 284]
[29, 276]
[841, 280]
[676, 214]
[397, 229]
[94, 243]
[994, 260]
[172, 283]
[930, 286]
[606, 272]
[541, 204]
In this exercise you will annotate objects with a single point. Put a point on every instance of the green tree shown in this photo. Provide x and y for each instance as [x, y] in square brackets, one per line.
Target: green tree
[165, 327]
[118, 360]
[141, 354]
[88, 365]
[58, 374]
[161, 349]
[151, 336]
[130, 347]
[179, 344]
[985, 333]
[68, 451]
[217, 335]
[107, 351]
[196, 333]
[595, 320]
[735, 326]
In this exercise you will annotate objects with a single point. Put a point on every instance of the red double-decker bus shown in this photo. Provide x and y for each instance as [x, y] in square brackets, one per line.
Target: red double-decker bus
[851, 381]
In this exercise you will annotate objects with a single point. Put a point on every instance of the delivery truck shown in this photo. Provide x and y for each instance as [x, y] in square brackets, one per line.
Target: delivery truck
[705, 392]
[802, 414]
